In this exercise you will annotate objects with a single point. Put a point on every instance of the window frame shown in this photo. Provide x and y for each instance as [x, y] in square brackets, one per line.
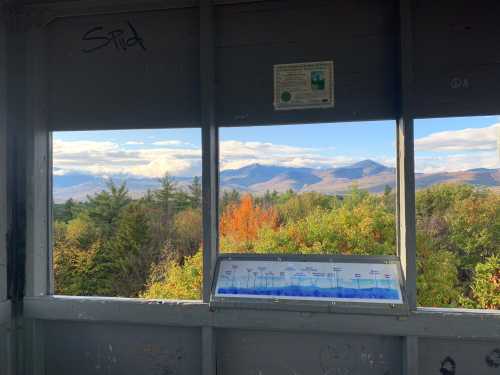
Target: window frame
[405, 211]
[446, 309]
[4, 308]
[409, 296]
[4, 134]
[37, 153]
[50, 208]
[210, 145]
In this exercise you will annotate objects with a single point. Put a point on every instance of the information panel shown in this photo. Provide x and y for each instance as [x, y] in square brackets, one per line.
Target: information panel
[303, 86]
[289, 279]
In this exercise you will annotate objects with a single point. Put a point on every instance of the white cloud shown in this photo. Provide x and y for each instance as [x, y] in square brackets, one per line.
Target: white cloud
[107, 158]
[78, 147]
[237, 154]
[134, 143]
[173, 142]
[455, 162]
[158, 167]
[449, 151]
[470, 139]
[167, 143]
[59, 172]
[458, 150]
[183, 159]
[251, 149]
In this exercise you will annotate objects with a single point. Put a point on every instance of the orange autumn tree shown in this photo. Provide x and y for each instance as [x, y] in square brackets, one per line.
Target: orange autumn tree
[241, 222]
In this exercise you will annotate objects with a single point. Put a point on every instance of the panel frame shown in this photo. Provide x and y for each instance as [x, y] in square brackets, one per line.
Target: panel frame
[311, 305]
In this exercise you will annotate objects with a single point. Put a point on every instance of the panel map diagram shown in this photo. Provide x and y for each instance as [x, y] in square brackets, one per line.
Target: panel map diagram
[300, 280]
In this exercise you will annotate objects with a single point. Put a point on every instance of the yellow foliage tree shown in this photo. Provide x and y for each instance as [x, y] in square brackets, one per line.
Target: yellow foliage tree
[171, 280]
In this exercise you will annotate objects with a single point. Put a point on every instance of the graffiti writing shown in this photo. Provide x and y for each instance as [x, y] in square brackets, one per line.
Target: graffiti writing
[119, 39]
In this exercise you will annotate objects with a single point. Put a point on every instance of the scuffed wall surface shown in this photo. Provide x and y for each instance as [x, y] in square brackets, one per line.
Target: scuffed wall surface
[252, 38]
[87, 348]
[107, 348]
[272, 353]
[3, 349]
[456, 68]
[450, 357]
[146, 78]
[5, 353]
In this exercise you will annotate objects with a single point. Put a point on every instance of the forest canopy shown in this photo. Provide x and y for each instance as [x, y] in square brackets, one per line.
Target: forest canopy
[150, 247]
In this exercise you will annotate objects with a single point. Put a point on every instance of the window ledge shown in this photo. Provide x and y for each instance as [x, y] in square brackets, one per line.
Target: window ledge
[457, 311]
[425, 322]
[125, 310]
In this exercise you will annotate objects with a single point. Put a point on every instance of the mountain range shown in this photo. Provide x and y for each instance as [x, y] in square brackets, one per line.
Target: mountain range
[257, 178]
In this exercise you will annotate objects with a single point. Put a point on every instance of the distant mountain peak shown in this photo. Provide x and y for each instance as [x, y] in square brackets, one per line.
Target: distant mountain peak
[257, 178]
[247, 167]
[363, 168]
[481, 170]
[367, 163]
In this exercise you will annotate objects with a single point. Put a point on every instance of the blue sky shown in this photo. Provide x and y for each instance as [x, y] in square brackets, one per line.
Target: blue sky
[441, 145]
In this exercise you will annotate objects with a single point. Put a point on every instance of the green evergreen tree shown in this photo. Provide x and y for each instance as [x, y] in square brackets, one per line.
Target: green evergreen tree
[181, 201]
[130, 254]
[164, 196]
[229, 197]
[105, 208]
[195, 192]
[66, 211]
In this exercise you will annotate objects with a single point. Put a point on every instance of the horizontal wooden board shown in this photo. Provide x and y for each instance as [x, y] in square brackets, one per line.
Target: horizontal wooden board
[359, 36]
[155, 84]
[265, 352]
[459, 357]
[84, 348]
[457, 60]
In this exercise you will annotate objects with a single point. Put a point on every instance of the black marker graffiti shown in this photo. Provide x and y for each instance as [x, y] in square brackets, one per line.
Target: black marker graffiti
[448, 366]
[117, 38]
[493, 358]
